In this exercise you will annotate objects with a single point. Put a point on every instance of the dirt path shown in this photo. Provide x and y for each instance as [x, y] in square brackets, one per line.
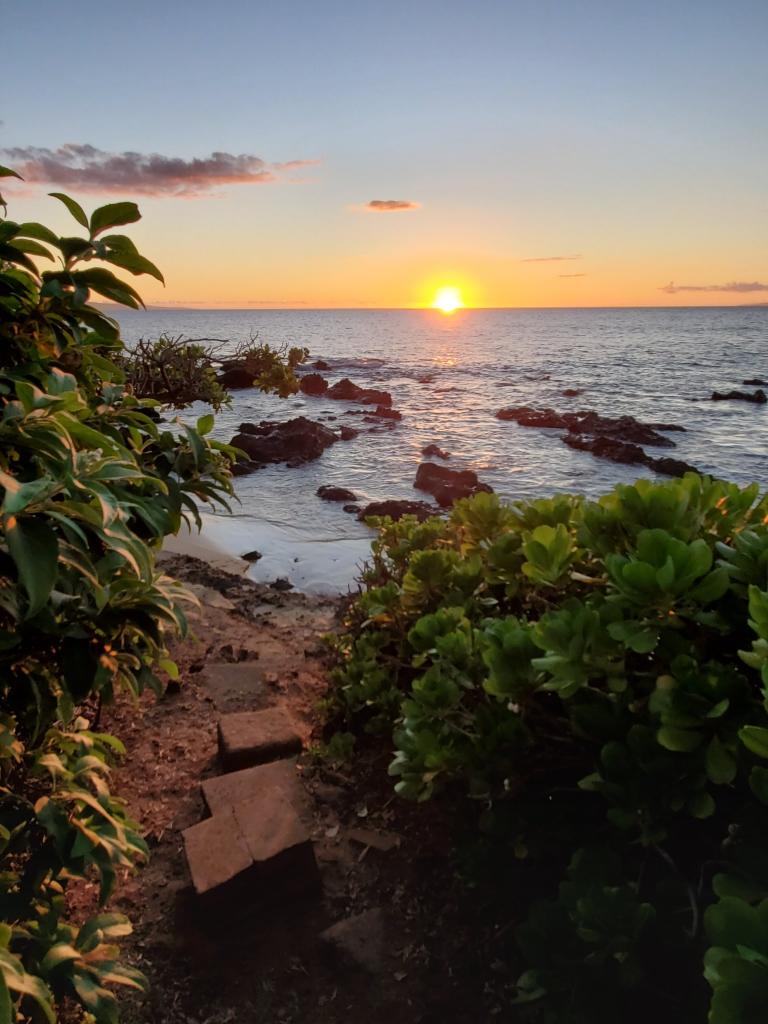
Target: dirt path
[409, 939]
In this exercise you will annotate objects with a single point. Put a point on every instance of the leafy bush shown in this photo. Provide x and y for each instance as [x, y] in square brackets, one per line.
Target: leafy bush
[591, 672]
[91, 484]
[178, 371]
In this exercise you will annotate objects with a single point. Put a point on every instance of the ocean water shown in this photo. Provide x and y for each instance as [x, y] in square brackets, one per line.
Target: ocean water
[449, 375]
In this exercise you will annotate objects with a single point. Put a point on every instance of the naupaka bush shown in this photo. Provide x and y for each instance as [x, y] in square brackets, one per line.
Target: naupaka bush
[615, 651]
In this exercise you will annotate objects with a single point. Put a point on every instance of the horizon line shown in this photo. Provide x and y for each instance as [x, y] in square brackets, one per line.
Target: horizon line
[418, 309]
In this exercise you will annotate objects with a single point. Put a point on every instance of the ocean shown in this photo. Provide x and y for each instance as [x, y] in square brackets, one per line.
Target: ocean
[449, 375]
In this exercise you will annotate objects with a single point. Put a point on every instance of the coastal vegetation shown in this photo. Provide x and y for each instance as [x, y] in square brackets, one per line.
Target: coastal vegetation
[591, 677]
[93, 479]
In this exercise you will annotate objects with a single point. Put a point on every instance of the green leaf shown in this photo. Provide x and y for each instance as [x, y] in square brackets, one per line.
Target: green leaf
[6, 172]
[74, 207]
[105, 283]
[678, 740]
[755, 738]
[721, 765]
[205, 424]
[112, 215]
[35, 550]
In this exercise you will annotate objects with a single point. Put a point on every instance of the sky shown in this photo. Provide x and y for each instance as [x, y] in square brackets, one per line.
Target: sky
[353, 153]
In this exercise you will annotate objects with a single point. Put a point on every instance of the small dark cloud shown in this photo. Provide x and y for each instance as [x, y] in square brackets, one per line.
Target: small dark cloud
[739, 287]
[391, 205]
[550, 259]
[89, 169]
[571, 275]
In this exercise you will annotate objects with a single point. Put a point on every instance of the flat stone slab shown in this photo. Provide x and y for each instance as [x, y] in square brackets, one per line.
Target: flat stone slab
[251, 853]
[236, 685]
[226, 791]
[249, 738]
[217, 852]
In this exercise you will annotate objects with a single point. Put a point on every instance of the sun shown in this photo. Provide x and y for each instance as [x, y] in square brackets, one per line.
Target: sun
[448, 299]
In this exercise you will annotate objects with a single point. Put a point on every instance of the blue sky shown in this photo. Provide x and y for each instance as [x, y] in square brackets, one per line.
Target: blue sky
[631, 135]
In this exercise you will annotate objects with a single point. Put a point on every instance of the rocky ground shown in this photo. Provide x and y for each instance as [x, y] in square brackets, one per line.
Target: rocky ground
[392, 930]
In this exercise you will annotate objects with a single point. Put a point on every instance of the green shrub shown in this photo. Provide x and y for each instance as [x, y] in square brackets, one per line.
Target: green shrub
[91, 484]
[615, 652]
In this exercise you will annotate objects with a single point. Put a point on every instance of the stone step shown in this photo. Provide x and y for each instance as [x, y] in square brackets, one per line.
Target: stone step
[250, 853]
[225, 791]
[234, 686]
[248, 738]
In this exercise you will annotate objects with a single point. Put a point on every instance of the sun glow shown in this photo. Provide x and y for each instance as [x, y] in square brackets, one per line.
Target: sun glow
[448, 299]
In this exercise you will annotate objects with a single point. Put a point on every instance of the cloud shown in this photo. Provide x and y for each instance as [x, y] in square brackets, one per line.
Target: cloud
[88, 169]
[550, 259]
[732, 286]
[571, 275]
[391, 205]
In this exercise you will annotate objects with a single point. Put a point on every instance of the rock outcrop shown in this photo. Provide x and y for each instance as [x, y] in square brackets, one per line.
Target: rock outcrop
[396, 508]
[619, 428]
[448, 485]
[759, 397]
[293, 441]
[435, 452]
[313, 384]
[631, 454]
[328, 493]
[346, 391]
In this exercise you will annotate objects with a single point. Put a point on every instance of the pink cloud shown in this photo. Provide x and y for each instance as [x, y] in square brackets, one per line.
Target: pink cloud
[89, 169]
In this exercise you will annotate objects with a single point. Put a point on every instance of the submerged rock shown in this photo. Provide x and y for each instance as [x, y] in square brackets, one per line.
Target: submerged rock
[328, 493]
[251, 556]
[313, 384]
[756, 382]
[436, 452]
[320, 364]
[347, 391]
[396, 508]
[294, 441]
[759, 397]
[572, 392]
[348, 433]
[351, 508]
[448, 485]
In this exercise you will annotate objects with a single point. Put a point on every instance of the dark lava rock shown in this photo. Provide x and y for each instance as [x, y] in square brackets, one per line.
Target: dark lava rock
[313, 384]
[234, 378]
[607, 448]
[448, 485]
[387, 414]
[572, 392]
[758, 397]
[346, 390]
[528, 417]
[631, 454]
[671, 467]
[619, 428]
[294, 441]
[320, 364]
[396, 508]
[433, 450]
[351, 508]
[348, 433]
[251, 556]
[756, 382]
[328, 493]
[281, 584]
